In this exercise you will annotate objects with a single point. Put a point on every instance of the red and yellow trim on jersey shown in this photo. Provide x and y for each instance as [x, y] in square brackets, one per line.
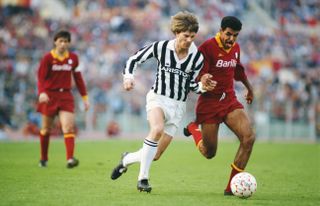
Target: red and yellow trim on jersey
[217, 37]
[59, 57]
[236, 168]
[69, 135]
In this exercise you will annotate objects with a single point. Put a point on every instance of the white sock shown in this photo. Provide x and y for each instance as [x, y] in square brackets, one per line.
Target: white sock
[132, 158]
[148, 152]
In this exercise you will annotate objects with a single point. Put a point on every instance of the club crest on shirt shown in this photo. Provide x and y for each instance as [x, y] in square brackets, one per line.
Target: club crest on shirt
[70, 61]
[236, 55]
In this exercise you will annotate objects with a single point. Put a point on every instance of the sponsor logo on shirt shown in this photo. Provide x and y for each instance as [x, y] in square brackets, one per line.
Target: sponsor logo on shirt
[64, 67]
[226, 64]
[175, 71]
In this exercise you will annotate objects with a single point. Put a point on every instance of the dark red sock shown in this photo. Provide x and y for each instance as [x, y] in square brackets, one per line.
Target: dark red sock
[44, 145]
[195, 132]
[235, 170]
[69, 143]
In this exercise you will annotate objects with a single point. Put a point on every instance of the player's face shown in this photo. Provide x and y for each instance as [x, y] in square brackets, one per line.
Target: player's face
[184, 39]
[62, 45]
[228, 37]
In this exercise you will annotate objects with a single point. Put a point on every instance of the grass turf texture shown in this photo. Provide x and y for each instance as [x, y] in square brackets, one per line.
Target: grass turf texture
[287, 174]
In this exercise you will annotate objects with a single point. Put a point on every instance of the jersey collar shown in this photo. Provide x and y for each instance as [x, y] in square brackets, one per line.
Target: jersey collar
[60, 58]
[217, 38]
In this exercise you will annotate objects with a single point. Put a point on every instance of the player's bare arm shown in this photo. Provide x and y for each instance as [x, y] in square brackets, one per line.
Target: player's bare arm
[250, 95]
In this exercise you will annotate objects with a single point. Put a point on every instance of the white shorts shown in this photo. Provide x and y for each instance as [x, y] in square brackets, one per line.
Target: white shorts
[173, 110]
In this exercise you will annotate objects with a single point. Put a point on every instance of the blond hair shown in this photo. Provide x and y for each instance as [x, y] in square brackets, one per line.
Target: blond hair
[184, 21]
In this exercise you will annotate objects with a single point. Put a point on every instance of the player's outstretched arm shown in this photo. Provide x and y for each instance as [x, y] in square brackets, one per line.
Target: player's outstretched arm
[250, 95]
[241, 76]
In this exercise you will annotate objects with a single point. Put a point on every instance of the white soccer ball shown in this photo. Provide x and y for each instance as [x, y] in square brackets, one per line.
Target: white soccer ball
[243, 185]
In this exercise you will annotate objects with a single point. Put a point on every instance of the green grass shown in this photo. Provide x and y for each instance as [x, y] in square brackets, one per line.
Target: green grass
[287, 174]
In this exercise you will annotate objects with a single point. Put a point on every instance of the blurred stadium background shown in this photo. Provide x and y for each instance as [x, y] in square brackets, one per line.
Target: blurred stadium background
[280, 49]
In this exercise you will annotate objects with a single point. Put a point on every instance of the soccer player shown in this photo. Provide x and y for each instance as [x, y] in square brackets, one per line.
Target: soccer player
[179, 63]
[55, 73]
[222, 61]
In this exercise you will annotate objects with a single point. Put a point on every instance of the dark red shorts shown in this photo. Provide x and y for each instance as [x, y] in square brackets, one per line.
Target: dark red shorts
[213, 109]
[59, 101]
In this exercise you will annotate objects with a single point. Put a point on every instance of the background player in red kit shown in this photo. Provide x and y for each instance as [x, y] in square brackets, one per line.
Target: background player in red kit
[55, 98]
[222, 60]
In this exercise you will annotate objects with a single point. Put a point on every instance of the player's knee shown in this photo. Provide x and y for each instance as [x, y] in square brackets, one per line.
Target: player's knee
[68, 128]
[45, 131]
[252, 138]
[210, 153]
[157, 131]
[249, 140]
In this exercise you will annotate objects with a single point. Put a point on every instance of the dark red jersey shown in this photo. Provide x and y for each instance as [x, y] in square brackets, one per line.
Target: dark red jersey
[224, 65]
[55, 73]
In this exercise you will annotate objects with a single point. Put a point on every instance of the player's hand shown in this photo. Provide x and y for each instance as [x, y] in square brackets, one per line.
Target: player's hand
[249, 96]
[43, 98]
[207, 83]
[128, 83]
[86, 105]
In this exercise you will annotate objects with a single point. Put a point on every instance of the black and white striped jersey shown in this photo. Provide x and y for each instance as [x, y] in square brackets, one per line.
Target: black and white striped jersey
[174, 78]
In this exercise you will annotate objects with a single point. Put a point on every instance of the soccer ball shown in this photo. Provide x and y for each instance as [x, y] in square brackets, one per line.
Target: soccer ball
[243, 185]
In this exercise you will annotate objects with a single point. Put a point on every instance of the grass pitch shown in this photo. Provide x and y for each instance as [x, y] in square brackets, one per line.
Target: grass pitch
[287, 174]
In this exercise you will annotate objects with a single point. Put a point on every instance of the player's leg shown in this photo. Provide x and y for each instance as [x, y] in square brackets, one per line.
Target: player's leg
[150, 146]
[44, 136]
[238, 121]
[131, 158]
[206, 139]
[68, 129]
[128, 159]
[147, 153]
[163, 144]
[175, 114]
[193, 129]
[208, 145]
